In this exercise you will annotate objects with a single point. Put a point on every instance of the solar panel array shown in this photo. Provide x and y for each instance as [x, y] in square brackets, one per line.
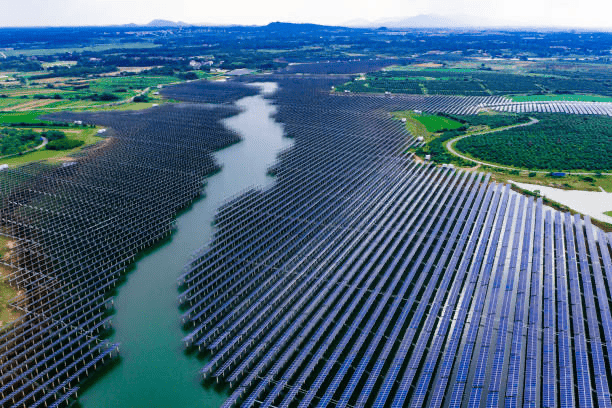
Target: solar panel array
[360, 278]
[76, 228]
[573, 107]
[363, 279]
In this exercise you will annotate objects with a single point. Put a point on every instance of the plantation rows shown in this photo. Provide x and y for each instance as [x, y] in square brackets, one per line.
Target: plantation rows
[463, 82]
[558, 142]
[340, 67]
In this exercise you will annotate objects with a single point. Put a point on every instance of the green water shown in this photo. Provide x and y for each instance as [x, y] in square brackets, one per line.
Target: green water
[154, 370]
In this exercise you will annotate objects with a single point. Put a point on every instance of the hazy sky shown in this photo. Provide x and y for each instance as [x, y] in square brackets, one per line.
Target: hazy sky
[574, 13]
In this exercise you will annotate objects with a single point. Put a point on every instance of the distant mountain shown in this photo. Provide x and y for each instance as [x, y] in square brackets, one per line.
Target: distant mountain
[281, 26]
[430, 21]
[166, 23]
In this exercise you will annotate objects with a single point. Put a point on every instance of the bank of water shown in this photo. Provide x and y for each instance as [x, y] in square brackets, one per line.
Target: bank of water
[154, 370]
[591, 203]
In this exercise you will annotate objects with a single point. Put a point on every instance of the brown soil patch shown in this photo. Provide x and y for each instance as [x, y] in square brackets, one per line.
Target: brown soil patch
[428, 65]
[32, 105]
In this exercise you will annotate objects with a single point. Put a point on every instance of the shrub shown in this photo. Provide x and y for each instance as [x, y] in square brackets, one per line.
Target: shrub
[64, 144]
[142, 98]
[53, 135]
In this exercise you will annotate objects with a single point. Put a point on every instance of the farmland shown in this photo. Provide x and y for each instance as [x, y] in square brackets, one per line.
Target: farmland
[479, 82]
[558, 142]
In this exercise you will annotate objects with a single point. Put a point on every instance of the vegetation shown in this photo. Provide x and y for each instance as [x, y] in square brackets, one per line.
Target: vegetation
[64, 144]
[435, 147]
[491, 121]
[558, 142]
[426, 125]
[436, 130]
[18, 118]
[53, 134]
[13, 141]
[474, 82]
[437, 123]
[87, 135]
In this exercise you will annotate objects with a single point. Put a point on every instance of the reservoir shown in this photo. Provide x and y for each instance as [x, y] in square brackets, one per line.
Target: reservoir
[155, 370]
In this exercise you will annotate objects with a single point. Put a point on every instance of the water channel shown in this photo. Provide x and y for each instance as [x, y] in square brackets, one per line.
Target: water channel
[154, 370]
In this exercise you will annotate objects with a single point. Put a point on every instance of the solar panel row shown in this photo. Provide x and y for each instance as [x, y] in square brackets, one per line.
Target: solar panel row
[450, 292]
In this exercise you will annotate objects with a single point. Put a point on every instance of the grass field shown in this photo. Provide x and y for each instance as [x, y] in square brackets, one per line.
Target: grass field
[553, 97]
[435, 123]
[18, 117]
[107, 84]
[425, 125]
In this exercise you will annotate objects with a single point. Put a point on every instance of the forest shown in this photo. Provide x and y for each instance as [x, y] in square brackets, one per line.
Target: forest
[14, 141]
[557, 142]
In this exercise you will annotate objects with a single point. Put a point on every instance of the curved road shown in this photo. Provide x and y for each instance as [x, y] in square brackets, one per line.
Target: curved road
[450, 143]
[533, 121]
[44, 143]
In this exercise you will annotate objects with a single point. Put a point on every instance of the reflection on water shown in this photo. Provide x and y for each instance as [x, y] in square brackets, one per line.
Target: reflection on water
[154, 370]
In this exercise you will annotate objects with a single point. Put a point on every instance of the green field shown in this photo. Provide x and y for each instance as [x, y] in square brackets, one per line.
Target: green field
[435, 123]
[553, 97]
[423, 124]
[107, 84]
[20, 117]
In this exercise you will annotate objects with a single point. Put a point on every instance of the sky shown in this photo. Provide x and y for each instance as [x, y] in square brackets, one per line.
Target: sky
[559, 13]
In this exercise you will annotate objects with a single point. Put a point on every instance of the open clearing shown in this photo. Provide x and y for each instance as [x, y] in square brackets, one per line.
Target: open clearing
[592, 203]
[425, 125]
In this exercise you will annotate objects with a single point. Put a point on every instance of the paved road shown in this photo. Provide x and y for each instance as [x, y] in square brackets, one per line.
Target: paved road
[44, 143]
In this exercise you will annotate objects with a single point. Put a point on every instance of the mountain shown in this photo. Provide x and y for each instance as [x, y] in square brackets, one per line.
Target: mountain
[430, 21]
[166, 23]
